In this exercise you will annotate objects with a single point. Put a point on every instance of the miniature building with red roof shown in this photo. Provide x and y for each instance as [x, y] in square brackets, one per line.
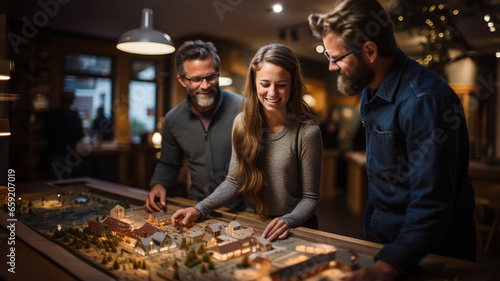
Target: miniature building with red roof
[118, 228]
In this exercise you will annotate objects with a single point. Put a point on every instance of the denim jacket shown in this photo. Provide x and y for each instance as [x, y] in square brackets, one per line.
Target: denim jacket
[419, 196]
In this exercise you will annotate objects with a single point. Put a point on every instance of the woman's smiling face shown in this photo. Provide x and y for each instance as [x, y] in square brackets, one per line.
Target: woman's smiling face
[273, 85]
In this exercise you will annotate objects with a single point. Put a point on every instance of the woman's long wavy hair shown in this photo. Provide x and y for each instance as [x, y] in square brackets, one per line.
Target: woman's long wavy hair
[247, 135]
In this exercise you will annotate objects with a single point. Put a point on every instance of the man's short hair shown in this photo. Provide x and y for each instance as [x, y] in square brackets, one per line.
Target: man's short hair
[195, 50]
[357, 22]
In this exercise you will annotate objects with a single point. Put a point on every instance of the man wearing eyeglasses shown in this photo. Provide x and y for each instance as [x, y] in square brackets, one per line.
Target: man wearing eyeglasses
[420, 199]
[199, 128]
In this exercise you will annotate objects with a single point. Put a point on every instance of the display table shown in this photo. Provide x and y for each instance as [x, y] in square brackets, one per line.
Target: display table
[37, 256]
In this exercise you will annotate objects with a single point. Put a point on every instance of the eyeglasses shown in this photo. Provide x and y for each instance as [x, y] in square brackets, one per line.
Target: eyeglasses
[211, 78]
[334, 61]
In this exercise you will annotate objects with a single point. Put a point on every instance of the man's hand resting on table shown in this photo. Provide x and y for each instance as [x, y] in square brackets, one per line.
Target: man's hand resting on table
[157, 192]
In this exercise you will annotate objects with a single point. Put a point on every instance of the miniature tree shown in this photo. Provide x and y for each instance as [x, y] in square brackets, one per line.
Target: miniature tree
[176, 274]
[183, 244]
[211, 265]
[201, 250]
[203, 269]
[110, 258]
[135, 265]
[30, 204]
[143, 264]
[245, 262]
[206, 257]
[116, 265]
[87, 245]
[113, 249]
[175, 265]
[104, 259]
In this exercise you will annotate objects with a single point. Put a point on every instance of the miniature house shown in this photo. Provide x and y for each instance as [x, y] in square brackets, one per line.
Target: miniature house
[117, 212]
[116, 227]
[234, 249]
[195, 237]
[231, 227]
[208, 240]
[234, 229]
[264, 244]
[97, 228]
[159, 219]
[216, 229]
[154, 244]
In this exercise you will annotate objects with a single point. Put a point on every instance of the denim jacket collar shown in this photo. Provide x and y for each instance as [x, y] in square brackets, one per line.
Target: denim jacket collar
[393, 77]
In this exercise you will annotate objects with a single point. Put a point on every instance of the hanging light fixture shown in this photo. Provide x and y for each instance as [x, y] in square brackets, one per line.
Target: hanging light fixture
[146, 40]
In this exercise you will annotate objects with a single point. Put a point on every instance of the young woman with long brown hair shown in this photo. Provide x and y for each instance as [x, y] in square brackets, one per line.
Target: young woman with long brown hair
[277, 149]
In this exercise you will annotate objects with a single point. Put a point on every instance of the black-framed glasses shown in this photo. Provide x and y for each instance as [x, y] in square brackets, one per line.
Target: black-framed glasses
[334, 61]
[211, 78]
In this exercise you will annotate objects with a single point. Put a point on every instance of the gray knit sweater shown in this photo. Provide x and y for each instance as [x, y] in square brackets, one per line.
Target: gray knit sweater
[283, 198]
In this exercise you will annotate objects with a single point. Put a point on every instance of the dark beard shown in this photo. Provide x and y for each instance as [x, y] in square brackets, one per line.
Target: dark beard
[351, 84]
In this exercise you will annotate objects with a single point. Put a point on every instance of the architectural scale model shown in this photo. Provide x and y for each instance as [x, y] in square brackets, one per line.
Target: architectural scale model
[131, 244]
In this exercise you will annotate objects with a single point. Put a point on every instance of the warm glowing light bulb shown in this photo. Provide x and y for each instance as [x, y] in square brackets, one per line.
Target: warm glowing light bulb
[277, 8]
[487, 17]
[320, 49]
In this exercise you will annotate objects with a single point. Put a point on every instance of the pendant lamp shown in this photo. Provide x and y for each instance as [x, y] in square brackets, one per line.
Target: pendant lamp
[146, 40]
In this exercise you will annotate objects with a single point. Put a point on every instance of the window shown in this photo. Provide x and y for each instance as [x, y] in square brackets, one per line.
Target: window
[142, 99]
[89, 77]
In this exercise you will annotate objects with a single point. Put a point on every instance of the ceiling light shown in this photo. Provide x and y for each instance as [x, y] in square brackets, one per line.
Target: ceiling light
[225, 81]
[497, 54]
[146, 40]
[320, 49]
[487, 17]
[277, 8]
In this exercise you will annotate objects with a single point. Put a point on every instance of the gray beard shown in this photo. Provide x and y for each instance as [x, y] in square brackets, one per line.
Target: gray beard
[202, 101]
[351, 84]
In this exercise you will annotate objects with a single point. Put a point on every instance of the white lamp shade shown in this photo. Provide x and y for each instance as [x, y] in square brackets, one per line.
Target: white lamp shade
[146, 40]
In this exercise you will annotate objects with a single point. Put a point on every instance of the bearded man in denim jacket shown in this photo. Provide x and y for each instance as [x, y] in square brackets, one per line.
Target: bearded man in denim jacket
[420, 199]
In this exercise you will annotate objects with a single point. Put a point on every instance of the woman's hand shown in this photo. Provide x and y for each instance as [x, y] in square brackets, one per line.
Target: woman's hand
[276, 229]
[187, 215]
